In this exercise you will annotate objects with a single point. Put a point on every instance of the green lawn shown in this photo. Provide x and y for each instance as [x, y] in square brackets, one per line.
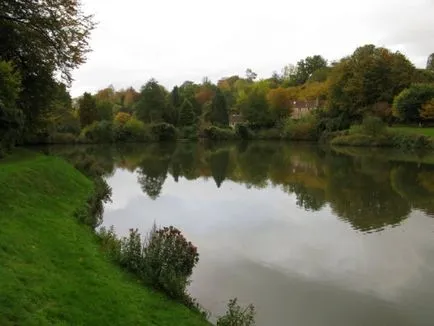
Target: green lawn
[414, 131]
[51, 269]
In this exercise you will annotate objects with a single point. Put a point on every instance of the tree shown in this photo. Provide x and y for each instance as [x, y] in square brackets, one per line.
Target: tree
[427, 111]
[306, 67]
[105, 110]
[219, 110]
[279, 102]
[174, 107]
[408, 103]
[430, 62]
[42, 38]
[186, 116]
[254, 107]
[152, 103]
[11, 117]
[370, 75]
[251, 75]
[87, 110]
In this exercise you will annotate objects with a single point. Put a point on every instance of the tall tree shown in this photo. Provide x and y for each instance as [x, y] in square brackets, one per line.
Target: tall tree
[43, 38]
[370, 75]
[280, 103]
[152, 103]
[186, 115]
[219, 110]
[430, 62]
[87, 110]
[408, 104]
[11, 118]
[251, 75]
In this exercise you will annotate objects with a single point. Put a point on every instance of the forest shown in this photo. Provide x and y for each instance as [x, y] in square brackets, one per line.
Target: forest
[353, 99]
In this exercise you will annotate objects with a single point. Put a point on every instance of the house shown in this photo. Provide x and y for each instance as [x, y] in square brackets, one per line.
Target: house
[235, 119]
[301, 108]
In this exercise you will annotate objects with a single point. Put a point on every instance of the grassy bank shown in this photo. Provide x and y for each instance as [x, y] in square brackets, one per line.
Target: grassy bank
[52, 270]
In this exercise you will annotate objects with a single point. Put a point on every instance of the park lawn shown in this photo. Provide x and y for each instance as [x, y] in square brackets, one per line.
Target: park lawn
[52, 271]
[414, 130]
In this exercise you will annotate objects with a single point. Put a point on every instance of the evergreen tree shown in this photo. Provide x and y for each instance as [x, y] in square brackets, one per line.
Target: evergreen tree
[219, 110]
[153, 102]
[186, 116]
[87, 110]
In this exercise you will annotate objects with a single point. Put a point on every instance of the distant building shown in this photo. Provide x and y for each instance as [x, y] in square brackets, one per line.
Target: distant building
[235, 119]
[301, 108]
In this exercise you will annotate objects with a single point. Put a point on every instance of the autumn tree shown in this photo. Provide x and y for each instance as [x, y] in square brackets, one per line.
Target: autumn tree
[219, 110]
[370, 75]
[87, 110]
[427, 111]
[42, 38]
[254, 106]
[152, 103]
[408, 104]
[279, 103]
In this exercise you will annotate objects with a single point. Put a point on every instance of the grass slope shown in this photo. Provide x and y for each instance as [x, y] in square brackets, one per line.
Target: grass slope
[414, 131]
[51, 269]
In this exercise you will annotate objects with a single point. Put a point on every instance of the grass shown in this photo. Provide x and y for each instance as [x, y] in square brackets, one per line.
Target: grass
[52, 271]
[413, 131]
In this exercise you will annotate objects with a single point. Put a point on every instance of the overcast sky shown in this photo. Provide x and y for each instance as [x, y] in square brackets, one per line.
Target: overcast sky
[174, 41]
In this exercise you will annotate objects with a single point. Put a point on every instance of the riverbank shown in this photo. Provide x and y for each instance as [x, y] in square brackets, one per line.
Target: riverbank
[52, 270]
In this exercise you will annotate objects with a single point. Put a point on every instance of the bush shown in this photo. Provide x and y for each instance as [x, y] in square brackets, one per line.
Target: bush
[164, 260]
[237, 316]
[361, 140]
[122, 118]
[302, 129]
[373, 126]
[216, 133]
[97, 132]
[163, 131]
[132, 130]
[406, 141]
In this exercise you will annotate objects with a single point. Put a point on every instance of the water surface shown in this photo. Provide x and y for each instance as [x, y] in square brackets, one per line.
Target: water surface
[310, 236]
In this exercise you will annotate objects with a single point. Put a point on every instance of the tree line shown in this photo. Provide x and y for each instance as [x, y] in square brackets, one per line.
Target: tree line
[43, 41]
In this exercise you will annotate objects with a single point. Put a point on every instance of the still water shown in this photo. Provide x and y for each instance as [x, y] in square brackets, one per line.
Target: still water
[310, 236]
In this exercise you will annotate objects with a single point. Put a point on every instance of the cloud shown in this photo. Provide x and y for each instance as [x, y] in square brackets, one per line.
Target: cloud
[175, 41]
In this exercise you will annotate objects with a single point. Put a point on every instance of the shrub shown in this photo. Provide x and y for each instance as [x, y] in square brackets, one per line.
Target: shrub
[361, 140]
[163, 131]
[168, 260]
[406, 141]
[164, 260]
[132, 131]
[302, 129]
[97, 132]
[237, 316]
[216, 133]
[122, 118]
[373, 126]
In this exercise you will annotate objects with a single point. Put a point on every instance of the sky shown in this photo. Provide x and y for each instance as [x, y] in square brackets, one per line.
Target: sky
[173, 41]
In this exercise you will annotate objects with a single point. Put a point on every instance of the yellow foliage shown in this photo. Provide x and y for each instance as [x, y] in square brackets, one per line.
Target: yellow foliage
[122, 117]
[427, 111]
